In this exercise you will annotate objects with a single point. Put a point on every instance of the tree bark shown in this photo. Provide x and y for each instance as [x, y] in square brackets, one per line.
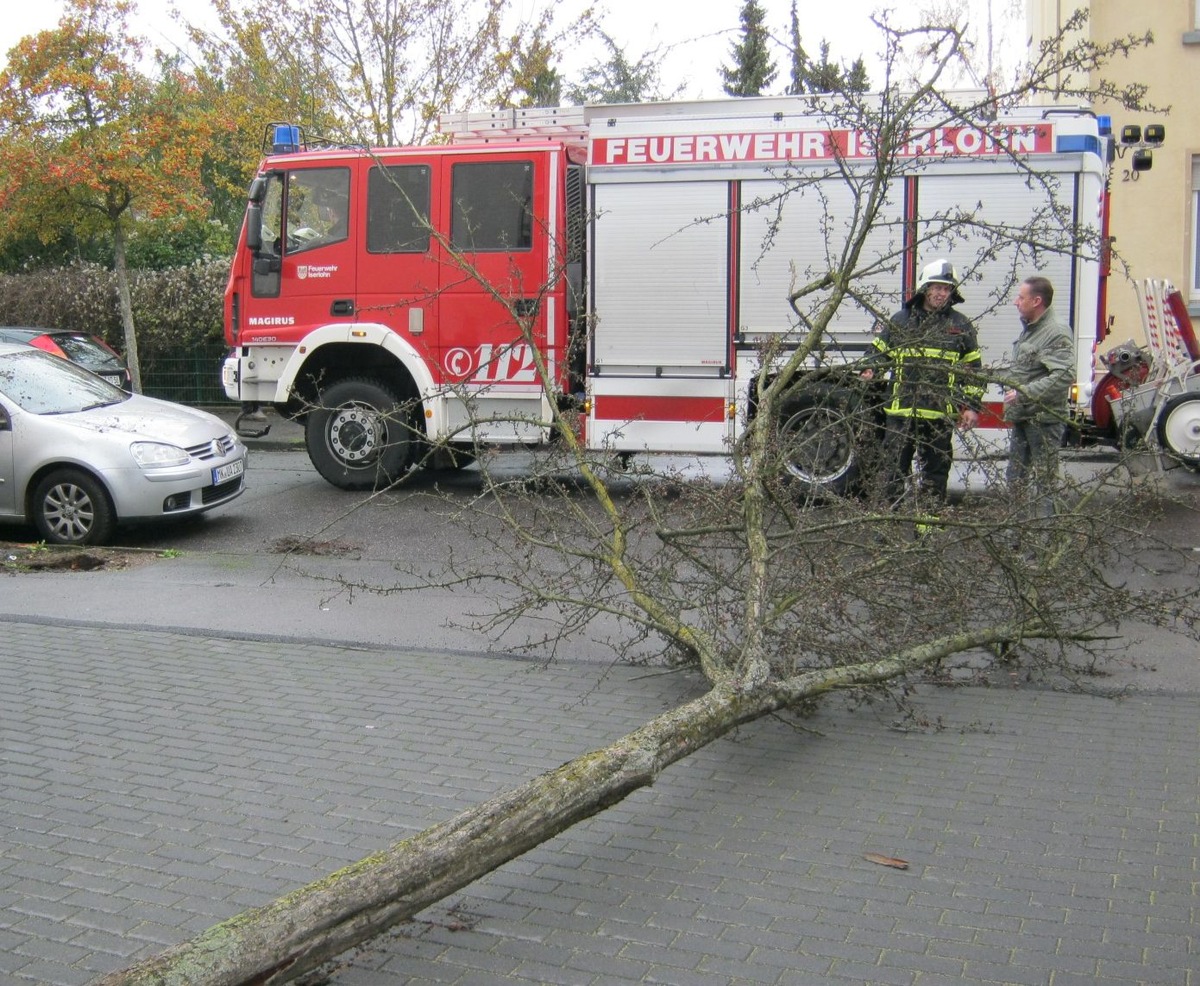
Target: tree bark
[125, 300]
[301, 931]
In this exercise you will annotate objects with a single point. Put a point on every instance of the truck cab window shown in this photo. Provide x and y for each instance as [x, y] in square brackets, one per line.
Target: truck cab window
[493, 207]
[398, 209]
[318, 208]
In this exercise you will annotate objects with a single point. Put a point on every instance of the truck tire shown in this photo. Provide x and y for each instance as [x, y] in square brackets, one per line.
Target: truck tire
[361, 436]
[1179, 428]
[70, 507]
[820, 435]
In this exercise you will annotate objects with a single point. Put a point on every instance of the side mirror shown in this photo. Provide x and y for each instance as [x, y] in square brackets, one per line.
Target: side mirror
[258, 190]
[254, 240]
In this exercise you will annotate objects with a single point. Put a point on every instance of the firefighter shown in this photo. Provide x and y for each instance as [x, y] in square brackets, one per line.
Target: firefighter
[932, 352]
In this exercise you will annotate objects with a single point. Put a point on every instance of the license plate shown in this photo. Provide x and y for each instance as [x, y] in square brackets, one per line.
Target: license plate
[231, 470]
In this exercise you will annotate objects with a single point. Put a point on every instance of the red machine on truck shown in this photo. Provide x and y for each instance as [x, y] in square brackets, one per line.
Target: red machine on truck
[649, 248]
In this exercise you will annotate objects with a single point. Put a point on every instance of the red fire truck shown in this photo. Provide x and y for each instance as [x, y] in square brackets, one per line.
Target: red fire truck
[650, 250]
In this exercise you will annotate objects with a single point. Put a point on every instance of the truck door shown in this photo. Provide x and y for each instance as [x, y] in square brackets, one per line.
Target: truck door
[497, 208]
[398, 280]
[304, 275]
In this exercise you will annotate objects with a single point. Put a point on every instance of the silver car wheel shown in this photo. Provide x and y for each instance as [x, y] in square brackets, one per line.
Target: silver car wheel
[69, 512]
[70, 507]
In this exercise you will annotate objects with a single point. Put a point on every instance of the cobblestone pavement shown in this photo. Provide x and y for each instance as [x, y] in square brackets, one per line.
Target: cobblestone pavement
[156, 782]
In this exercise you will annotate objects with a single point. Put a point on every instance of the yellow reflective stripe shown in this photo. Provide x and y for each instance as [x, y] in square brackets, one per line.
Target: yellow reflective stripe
[923, 353]
[914, 412]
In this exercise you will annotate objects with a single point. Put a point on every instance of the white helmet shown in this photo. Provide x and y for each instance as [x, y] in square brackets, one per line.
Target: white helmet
[939, 272]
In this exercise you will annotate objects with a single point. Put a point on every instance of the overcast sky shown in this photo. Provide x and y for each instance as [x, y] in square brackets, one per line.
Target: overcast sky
[694, 36]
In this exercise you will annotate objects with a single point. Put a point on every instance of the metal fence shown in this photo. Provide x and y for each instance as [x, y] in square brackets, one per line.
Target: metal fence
[193, 377]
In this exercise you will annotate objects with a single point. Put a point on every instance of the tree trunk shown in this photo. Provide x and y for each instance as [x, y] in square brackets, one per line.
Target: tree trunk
[125, 301]
[301, 931]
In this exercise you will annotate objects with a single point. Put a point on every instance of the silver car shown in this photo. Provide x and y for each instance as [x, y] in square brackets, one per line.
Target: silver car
[78, 455]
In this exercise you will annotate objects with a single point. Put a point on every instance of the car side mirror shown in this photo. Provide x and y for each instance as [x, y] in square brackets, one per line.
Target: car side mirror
[5, 421]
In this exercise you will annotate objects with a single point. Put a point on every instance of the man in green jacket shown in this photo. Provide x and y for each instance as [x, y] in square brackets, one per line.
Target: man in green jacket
[1035, 398]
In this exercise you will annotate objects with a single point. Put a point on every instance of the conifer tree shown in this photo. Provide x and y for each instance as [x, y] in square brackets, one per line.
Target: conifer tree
[798, 83]
[753, 69]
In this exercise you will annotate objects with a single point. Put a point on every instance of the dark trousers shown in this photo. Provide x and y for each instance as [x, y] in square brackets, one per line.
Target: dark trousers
[930, 441]
[1033, 448]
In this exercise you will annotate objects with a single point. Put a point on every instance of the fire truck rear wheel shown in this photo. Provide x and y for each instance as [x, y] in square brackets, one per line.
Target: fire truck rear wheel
[1179, 428]
[820, 440]
[361, 436]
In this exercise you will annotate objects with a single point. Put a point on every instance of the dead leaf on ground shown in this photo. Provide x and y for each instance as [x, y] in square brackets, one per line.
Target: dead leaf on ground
[882, 860]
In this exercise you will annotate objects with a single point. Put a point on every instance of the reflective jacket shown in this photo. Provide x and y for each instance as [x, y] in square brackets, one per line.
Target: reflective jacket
[935, 362]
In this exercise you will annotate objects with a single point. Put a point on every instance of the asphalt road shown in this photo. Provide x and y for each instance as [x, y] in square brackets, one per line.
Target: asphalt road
[275, 563]
[296, 557]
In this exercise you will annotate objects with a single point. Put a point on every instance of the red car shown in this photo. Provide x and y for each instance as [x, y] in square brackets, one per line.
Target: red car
[89, 351]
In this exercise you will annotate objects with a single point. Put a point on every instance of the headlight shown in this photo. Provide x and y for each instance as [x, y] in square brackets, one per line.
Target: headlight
[151, 454]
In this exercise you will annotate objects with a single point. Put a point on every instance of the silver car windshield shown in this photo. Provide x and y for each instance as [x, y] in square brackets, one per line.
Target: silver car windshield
[45, 384]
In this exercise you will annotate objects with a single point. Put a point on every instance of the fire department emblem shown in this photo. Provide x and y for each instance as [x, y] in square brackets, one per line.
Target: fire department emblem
[302, 271]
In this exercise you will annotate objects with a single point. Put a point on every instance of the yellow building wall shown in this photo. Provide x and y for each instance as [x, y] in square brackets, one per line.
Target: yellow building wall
[1152, 210]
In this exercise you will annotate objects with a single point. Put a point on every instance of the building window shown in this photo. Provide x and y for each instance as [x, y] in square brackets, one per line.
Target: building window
[1192, 37]
[1194, 292]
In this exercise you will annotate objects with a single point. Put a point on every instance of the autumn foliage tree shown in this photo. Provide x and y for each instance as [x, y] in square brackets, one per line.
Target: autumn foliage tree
[375, 72]
[90, 139]
[257, 67]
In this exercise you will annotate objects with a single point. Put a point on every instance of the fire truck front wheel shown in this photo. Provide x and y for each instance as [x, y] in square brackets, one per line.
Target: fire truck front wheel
[361, 436]
[819, 437]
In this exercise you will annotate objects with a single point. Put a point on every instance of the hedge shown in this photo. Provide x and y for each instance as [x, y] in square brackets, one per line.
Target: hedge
[177, 313]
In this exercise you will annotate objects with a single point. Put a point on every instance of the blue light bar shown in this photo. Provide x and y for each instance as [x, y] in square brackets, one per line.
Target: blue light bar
[287, 139]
